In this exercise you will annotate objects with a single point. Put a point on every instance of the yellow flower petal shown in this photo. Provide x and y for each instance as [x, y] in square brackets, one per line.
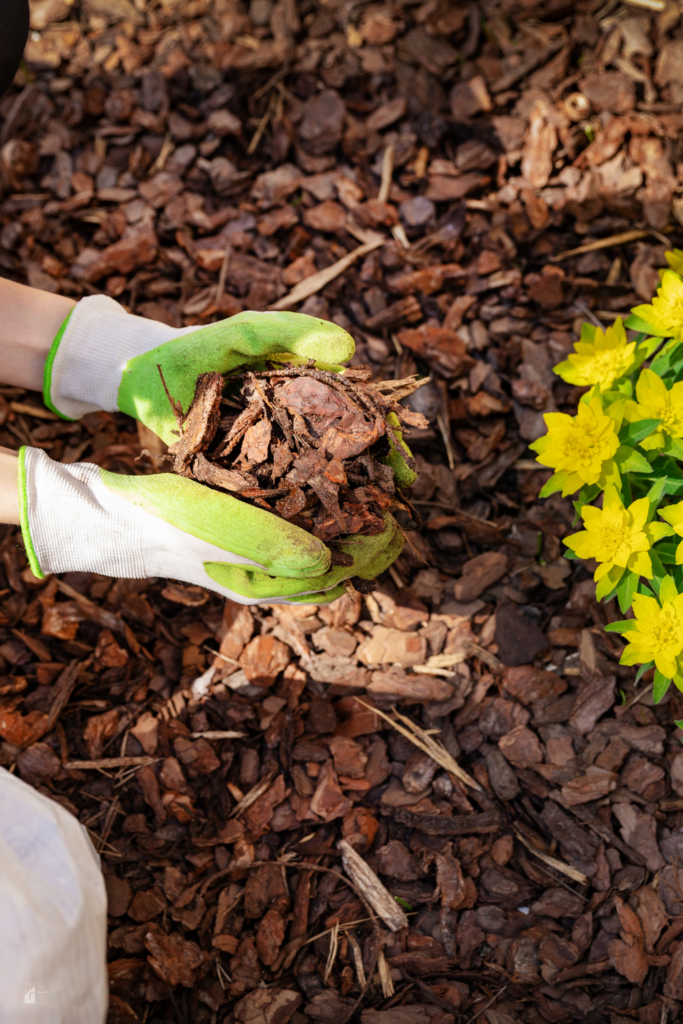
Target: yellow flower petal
[641, 564]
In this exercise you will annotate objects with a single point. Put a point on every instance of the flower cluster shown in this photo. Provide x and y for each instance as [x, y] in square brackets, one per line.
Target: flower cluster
[600, 357]
[620, 457]
[579, 448]
[618, 538]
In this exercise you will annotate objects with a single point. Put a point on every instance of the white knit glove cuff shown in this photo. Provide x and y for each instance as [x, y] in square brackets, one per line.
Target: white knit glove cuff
[72, 522]
[87, 359]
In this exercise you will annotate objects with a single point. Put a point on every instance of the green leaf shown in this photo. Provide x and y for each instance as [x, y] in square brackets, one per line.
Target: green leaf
[630, 461]
[632, 432]
[607, 597]
[617, 395]
[666, 552]
[570, 555]
[623, 626]
[588, 493]
[674, 447]
[556, 483]
[643, 669]
[626, 590]
[661, 364]
[667, 589]
[647, 345]
[635, 323]
[625, 388]
[660, 573]
[404, 903]
[661, 685]
[626, 489]
[651, 591]
[656, 491]
[646, 348]
[609, 583]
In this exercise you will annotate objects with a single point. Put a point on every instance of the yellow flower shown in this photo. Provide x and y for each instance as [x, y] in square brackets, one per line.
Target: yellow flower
[658, 632]
[664, 316]
[656, 403]
[674, 515]
[580, 447]
[617, 537]
[675, 260]
[600, 359]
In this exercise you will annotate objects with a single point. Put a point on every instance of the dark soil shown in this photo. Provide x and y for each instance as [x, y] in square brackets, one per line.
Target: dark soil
[489, 176]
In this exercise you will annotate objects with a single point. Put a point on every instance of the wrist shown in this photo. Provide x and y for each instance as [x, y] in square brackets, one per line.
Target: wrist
[30, 320]
[9, 487]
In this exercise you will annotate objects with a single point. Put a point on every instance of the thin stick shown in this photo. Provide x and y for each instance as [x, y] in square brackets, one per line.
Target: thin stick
[376, 894]
[486, 1006]
[63, 689]
[386, 982]
[399, 234]
[426, 743]
[261, 127]
[480, 652]
[314, 283]
[224, 657]
[583, 308]
[343, 927]
[223, 274]
[218, 734]
[109, 822]
[387, 172]
[600, 243]
[446, 435]
[177, 408]
[637, 697]
[252, 796]
[553, 862]
[111, 762]
[357, 957]
[167, 148]
[332, 953]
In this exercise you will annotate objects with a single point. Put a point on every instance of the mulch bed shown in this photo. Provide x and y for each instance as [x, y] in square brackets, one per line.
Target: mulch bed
[459, 188]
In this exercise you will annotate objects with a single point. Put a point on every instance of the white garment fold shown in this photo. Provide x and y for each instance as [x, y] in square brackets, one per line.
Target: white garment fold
[53, 913]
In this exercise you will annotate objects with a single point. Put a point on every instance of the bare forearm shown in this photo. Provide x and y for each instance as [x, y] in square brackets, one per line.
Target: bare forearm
[9, 487]
[29, 321]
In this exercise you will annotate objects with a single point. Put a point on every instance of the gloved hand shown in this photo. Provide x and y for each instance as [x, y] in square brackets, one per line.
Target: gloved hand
[105, 358]
[83, 518]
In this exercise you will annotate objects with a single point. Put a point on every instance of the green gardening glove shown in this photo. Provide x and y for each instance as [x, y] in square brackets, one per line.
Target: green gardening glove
[103, 358]
[371, 556]
[81, 518]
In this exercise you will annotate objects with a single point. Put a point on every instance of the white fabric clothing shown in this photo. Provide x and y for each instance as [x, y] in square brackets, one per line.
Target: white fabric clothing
[53, 913]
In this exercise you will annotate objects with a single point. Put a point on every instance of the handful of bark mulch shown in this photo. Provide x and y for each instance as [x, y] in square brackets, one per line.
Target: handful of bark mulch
[303, 443]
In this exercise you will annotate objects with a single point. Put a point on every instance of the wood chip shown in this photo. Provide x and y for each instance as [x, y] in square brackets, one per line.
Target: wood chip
[367, 882]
